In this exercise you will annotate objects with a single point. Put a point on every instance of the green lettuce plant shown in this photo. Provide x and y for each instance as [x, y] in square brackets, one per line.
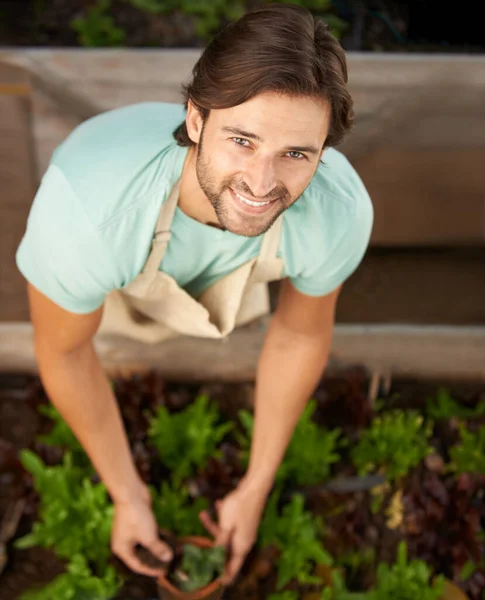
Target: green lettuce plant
[444, 406]
[175, 511]
[285, 595]
[468, 456]
[310, 454]
[75, 514]
[208, 16]
[78, 583]
[97, 28]
[295, 533]
[406, 580]
[186, 439]
[211, 16]
[395, 442]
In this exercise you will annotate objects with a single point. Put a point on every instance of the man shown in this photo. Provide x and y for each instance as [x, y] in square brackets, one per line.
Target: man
[157, 219]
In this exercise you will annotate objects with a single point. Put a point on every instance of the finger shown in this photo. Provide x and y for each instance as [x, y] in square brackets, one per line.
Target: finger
[209, 524]
[223, 538]
[135, 564]
[161, 551]
[233, 568]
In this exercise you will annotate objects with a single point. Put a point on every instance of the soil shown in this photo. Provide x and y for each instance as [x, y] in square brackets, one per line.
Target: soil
[373, 25]
[342, 402]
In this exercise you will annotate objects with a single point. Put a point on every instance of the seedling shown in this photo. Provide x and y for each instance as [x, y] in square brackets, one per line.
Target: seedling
[199, 567]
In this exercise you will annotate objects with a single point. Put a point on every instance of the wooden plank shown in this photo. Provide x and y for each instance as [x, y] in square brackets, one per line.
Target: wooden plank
[414, 351]
[17, 185]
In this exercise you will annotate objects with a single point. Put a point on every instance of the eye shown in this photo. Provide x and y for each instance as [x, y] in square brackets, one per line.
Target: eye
[296, 155]
[240, 142]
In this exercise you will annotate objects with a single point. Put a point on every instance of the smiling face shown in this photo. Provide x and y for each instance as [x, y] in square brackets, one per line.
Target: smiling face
[256, 159]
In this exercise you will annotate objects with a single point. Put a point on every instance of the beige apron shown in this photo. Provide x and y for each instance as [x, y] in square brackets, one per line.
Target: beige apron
[153, 307]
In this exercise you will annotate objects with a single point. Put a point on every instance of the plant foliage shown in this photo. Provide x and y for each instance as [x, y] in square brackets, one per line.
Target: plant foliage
[186, 439]
[395, 442]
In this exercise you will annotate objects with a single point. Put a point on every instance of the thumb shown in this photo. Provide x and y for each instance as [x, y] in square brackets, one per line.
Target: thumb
[161, 550]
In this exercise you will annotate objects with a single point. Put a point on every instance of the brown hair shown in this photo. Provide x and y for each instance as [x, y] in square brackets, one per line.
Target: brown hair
[280, 48]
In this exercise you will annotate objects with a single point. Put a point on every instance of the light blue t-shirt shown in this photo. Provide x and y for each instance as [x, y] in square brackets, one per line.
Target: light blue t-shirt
[91, 224]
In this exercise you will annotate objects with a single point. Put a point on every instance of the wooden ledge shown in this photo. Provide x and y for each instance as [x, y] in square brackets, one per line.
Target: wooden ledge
[399, 350]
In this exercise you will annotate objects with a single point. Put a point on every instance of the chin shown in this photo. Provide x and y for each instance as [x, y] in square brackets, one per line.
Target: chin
[244, 228]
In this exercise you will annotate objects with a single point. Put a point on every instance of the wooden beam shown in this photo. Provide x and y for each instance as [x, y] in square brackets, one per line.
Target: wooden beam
[407, 351]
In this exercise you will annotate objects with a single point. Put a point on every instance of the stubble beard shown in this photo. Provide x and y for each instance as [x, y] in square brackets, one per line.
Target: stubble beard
[249, 227]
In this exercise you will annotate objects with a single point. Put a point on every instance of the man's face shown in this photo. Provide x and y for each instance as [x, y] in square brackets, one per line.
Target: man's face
[254, 160]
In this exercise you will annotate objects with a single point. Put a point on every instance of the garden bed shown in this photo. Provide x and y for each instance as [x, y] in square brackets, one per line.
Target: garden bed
[404, 473]
[367, 25]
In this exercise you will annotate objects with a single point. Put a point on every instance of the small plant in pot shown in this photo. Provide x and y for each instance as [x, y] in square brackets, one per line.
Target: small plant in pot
[195, 572]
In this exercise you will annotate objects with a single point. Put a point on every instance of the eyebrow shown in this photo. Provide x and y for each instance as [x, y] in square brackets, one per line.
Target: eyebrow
[253, 136]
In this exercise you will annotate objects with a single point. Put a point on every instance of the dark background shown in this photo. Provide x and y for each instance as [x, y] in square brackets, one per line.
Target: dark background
[372, 25]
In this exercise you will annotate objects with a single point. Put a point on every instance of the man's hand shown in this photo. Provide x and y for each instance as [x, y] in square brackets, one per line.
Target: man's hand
[239, 515]
[135, 524]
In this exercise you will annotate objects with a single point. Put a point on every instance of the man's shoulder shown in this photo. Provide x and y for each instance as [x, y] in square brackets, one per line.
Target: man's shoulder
[116, 157]
[338, 181]
[336, 193]
[327, 229]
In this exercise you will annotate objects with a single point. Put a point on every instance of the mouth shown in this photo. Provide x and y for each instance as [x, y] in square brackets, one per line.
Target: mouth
[251, 206]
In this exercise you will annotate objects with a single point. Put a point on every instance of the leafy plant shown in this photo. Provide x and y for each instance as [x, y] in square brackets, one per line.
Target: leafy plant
[186, 439]
[199, 567]
[444, 406]
[61, 436]
[469, 455]
[97, 27]
[294, 533]
[75, 515]
[339, 591]
[176, 512]
[78, 583]
[395, 442]
[285, 595]
[310, 454]
[209, 16]
[406, 580]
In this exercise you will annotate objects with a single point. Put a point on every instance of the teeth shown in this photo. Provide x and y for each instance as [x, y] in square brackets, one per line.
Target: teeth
[250, 202]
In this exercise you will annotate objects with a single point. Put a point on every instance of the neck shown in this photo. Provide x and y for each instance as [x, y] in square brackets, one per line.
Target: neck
[193, 202]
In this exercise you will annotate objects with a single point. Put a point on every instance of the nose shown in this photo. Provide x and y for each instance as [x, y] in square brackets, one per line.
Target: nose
[260, 177]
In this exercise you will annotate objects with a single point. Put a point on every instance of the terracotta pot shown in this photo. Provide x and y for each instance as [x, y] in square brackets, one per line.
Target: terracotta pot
[212, 591]
[453, 592]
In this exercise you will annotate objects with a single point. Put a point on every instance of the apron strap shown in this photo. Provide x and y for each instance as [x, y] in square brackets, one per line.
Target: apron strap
[162, 231]
[269, 247]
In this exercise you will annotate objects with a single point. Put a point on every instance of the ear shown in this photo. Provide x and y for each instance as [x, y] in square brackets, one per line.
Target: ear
[194, 122]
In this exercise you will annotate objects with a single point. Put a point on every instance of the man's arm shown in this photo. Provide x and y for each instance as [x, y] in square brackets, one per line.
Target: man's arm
[78, 387]
[294, 356]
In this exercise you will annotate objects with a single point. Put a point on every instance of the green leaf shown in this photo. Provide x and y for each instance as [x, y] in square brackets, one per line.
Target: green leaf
[175, 511]
[200, 566]
[78, 583]
[468, 456]
[310, 455]
[97, 28]
[395, 442]
[444, 406]
[186, 439]
[406, 580]
[74, 515]
[295, 532]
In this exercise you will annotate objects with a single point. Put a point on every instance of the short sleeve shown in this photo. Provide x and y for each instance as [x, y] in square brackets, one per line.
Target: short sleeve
[61, 252]
[333, 269]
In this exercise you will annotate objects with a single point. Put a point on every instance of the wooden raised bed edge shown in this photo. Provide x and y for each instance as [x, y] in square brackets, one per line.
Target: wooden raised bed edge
[401, 350]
